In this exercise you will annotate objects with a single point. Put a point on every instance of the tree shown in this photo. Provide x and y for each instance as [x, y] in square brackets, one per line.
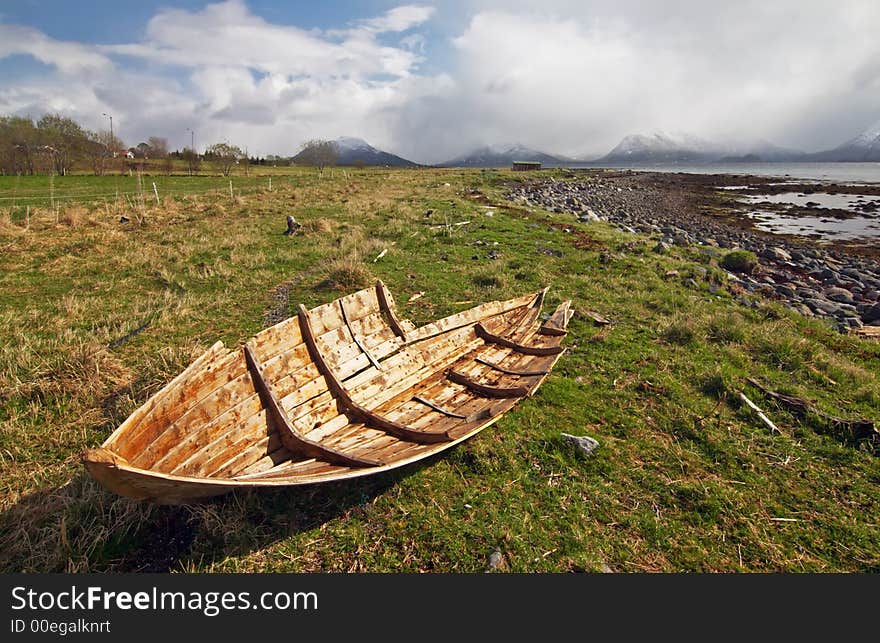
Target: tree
[101, 148]
[19, 145]
[142, 151]
[62, 140]
[223, 156]
[158, 147]
[192, 160]
[319, 153]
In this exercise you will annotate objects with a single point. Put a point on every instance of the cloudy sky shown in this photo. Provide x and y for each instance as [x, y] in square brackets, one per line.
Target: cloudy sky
[429, 81]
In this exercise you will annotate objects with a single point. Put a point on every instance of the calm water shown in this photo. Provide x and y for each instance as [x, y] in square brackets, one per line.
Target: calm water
[822, 228]
[830, 172]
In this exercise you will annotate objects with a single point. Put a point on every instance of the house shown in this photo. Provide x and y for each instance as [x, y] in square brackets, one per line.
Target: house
[525, 166]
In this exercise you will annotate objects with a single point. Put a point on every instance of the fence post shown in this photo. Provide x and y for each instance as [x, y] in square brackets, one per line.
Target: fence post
[156, 192]
[270, 184]
[231, 195]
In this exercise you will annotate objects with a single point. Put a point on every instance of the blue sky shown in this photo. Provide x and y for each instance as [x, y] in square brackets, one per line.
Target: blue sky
[429, 80]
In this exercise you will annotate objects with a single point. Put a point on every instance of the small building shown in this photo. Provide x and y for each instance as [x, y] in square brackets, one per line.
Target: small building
[525, 166]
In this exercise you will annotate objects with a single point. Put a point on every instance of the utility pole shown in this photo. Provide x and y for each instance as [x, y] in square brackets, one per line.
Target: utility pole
[111, 126]
[192, 145]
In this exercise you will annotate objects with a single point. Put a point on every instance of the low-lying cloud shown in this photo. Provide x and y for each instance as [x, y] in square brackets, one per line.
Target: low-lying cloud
[571, 78]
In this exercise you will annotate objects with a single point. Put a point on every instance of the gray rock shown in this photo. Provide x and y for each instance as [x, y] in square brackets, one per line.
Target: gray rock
[872, 314]
[785, 290]
[496, 560]
[823, 306]
[840, 295]
[662, 248]
[776, 254]
[583, 443]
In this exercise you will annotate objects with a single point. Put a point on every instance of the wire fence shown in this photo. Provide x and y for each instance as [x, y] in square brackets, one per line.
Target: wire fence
[51, 195]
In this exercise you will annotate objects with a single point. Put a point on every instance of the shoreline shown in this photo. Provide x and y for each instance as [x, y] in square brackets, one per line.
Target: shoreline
[836, 280]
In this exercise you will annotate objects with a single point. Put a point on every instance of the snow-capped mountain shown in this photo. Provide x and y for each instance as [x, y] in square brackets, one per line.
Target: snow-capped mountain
[685, 148]
[356, 151]
[864, 147]
[353, 151]
[500, 155]
[662, 148]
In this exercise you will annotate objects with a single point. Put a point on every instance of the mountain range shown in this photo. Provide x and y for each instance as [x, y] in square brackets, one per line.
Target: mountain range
[684, 148]
[504, 154]
[356, 151]
[635, 149]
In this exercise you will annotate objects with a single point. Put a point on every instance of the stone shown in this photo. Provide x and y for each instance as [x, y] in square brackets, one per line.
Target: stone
[496, 560]
[822, 305]
[584, 443]
[840, 295]
[662, 248]
[872, 314]
[776, 254]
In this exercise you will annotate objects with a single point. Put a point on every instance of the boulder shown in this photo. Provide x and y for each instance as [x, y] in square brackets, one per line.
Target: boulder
[583, 443]
[775, 254]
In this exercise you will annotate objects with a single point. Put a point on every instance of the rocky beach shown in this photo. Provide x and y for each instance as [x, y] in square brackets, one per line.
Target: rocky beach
[836, 281]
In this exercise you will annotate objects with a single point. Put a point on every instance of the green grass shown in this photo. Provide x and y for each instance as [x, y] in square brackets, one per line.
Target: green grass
[685, 478]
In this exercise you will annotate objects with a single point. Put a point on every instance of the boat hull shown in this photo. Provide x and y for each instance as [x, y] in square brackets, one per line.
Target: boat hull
[341, 391]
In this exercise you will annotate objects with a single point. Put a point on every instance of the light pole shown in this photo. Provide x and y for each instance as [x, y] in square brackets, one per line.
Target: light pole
[111, 126]
[192, 146]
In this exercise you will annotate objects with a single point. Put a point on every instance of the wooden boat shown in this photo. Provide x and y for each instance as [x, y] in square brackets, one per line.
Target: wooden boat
[343, 390]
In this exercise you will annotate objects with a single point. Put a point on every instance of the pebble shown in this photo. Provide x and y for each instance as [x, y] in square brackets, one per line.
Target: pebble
[806, 278]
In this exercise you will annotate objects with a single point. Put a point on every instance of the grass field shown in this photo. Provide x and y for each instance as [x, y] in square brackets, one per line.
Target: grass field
[96, 315]
[18, 192]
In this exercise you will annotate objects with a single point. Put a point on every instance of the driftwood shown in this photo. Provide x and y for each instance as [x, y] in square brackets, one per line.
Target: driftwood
[292, 226]
[858, 429]
[760, 413]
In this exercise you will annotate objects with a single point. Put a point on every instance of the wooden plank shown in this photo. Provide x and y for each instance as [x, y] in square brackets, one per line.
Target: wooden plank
[558, 321]
[350, 406]
[508, 371]
[213, 375]
[355, 338]
[437, 408]
[467, 318]
[290, 435]
[387, 307]
[484, 389]
[485, 335]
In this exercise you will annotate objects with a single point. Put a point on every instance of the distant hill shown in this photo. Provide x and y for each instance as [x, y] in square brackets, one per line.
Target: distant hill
[356, 151]
[503, 155]
[864, 147]
[659, 148]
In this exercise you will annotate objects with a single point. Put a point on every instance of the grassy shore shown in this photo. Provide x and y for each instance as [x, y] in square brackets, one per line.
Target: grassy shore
[96, 315]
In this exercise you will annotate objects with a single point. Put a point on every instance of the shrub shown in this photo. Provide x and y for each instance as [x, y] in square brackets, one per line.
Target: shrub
[739, 261]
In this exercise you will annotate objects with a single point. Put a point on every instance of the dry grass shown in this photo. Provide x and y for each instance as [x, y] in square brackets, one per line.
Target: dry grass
[96, 315]
[317, 226]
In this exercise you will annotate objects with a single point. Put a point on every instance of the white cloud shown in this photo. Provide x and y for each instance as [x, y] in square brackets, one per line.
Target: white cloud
[247, 80]
[69, 57]
[566, 76]
[399, 19]
[575, 77]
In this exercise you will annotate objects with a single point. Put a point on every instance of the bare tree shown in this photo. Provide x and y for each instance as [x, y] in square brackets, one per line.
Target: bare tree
[102, 149]
[223, 156]
[192, 160]
[158, 147]
[319, 153]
